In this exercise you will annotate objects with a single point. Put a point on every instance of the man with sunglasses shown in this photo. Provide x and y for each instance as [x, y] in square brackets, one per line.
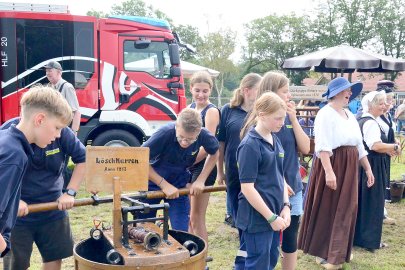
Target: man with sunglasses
[173, 149]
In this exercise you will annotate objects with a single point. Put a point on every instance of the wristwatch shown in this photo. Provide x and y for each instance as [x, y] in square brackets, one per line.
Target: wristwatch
[71, 192]
[288, 204]
[396, 146]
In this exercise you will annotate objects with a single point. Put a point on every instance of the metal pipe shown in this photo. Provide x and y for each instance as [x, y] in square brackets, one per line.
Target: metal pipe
[113, 257]
[191, 246]
[150, 240]
[94, 200]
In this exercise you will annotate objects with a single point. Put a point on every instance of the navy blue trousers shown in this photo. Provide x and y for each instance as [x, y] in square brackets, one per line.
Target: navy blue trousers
[179, 211]
[262, 250]
[233, 193]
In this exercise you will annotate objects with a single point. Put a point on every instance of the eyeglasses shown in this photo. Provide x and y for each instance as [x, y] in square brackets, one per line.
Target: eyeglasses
[186, 140]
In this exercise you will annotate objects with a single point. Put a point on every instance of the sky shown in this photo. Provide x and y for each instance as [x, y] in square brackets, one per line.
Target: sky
[206, 15]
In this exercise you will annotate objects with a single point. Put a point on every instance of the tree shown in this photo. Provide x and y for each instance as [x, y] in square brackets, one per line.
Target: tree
[378, 24]
[325, 26]
[354, 20]
[97, 14]
[132, 7]
[189, 35]
[139, 8]
[390, 30]
[272, 39]
[215, 53]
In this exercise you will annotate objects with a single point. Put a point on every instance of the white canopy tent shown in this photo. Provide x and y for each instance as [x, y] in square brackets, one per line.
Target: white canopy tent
[187, 68]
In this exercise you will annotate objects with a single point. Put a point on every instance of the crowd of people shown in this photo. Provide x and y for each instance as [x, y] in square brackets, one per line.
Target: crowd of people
[251, 145]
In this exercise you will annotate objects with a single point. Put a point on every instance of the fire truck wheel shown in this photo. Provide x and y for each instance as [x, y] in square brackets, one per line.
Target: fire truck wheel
[116, 137]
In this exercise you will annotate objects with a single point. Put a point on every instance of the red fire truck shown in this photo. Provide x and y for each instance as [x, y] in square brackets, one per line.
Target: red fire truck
[125, 69]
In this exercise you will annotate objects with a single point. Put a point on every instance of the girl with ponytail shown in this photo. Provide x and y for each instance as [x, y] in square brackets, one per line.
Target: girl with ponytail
[232, 119]
[263, 203]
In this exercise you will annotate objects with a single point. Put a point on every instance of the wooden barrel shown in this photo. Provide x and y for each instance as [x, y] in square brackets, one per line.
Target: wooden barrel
[90, 254]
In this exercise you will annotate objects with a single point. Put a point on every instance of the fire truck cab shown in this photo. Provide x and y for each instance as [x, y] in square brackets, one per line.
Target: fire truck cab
[125, 69]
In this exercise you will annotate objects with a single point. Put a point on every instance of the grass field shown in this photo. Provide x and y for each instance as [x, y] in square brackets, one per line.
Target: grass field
[223, 240]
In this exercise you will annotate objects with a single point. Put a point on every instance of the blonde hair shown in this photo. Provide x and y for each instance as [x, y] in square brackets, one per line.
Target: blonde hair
[201, 77]
[267, 103]
[390, 95]
[190, 120]
[248, 81]
[272, 81]
[46, 99]
[378, 98]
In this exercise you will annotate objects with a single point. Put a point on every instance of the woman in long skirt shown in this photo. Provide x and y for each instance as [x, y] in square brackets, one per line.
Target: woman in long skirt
[371, 200]
[330, 211]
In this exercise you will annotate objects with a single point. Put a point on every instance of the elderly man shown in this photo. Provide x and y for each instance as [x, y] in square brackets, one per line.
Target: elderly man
[54, 75]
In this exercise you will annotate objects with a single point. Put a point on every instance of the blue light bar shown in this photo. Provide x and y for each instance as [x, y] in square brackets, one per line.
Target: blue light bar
[145, 20]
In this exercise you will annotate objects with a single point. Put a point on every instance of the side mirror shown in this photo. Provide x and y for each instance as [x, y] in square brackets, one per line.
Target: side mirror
[190, 48]
[142, 43]
[175, 72]
[174, 54]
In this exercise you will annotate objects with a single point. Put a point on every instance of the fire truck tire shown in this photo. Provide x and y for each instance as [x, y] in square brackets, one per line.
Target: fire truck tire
[116, 137]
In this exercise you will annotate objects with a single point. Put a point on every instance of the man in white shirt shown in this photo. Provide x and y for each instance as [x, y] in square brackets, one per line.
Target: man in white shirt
[54, 75]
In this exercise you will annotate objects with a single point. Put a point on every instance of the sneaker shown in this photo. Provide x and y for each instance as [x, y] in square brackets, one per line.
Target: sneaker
[229, 221]
[389, 221]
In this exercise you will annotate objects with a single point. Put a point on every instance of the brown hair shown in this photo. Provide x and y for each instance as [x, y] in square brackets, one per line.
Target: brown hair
[201, 77]
[46, 99]
[267, 103]
[190, 120]
[272, 81]
[248, 81]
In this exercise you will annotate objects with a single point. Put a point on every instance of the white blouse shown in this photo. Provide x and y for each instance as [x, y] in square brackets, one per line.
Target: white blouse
[371, 131]
[332, 131]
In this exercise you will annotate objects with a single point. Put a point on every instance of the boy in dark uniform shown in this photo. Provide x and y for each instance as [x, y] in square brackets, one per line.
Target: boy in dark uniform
[44, 113]
[173, 149]
[264, 209]
[43, 182]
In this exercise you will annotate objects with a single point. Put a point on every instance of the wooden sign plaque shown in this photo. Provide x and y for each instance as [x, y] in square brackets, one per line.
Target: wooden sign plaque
[129, 164]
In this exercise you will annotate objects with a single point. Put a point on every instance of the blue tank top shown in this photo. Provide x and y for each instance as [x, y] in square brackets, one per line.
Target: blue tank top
[204, 112]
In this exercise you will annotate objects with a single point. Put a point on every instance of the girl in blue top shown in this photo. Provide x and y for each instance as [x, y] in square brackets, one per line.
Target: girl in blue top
[293, 139]
[233, 116]
[263, 203]
[201, 88]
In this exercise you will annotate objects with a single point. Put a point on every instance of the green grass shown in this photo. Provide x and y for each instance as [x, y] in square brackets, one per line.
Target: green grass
[223, 240]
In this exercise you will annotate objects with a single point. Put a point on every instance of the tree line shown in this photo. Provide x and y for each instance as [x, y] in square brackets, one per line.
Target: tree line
[377, 26]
